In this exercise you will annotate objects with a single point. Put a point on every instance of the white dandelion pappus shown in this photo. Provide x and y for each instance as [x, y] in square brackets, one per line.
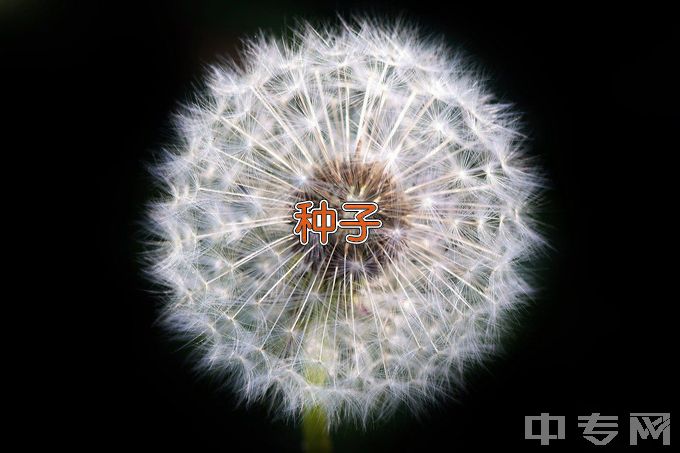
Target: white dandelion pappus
[358, 112]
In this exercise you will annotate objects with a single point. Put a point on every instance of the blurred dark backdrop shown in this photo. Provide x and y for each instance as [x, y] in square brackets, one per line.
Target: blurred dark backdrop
[105, 78]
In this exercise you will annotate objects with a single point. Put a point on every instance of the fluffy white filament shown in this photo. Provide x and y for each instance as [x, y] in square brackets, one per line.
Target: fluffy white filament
[302, 333]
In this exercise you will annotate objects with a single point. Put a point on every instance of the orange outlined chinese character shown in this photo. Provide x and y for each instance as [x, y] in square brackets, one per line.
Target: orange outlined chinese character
[363, 210]
[304, 220]
[322, 221]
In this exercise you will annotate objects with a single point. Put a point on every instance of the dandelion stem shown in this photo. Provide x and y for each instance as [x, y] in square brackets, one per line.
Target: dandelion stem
[315, 433]
[316, 438]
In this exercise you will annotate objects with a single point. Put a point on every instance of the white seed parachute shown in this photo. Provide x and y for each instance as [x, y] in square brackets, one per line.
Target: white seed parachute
[355, 112]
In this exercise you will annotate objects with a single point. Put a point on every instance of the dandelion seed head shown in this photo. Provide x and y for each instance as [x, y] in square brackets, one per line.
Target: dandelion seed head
[360, 112]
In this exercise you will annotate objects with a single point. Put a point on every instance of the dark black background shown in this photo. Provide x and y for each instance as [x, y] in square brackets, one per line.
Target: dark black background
[102, 82]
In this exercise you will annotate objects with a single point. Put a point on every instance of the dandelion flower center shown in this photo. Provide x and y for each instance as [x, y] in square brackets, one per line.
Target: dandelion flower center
[352, 179]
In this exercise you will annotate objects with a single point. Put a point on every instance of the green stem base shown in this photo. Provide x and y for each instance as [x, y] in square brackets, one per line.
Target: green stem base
[316, 438]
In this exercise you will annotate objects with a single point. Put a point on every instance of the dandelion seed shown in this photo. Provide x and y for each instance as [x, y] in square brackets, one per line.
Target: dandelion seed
[358, 113]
